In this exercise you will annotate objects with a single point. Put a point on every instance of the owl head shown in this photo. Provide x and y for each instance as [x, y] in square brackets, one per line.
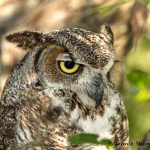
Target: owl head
[74, 59]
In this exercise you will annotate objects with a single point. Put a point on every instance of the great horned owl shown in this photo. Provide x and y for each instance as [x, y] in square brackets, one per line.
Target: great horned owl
[61, 87]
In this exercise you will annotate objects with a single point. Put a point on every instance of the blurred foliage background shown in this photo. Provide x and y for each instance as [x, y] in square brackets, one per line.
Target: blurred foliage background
[130, 22]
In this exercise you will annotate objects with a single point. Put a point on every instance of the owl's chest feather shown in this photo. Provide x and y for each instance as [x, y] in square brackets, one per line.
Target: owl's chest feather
[66, 116]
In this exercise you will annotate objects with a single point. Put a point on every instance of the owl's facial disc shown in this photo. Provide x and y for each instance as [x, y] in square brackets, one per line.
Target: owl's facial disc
[91, 81]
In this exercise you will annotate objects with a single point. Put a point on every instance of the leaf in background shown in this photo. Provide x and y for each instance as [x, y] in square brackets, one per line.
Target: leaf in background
[145, 43]
[107, 9]
[142, 96]
[139, 78]
[146, 2]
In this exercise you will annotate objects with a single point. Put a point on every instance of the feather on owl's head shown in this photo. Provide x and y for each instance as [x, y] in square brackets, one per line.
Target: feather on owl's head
[74, 58]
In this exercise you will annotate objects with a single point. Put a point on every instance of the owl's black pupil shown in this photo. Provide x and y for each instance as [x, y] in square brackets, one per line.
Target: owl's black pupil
[69, 64]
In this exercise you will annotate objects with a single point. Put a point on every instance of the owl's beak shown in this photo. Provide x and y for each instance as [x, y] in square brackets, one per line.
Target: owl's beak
[96, 91]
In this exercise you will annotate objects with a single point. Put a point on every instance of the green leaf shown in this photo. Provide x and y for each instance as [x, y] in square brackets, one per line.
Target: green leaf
[84, 138]
[105, 142]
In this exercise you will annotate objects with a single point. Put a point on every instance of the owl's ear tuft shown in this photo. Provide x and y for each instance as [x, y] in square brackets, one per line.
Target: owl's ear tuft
[106, 31]
[25, 39]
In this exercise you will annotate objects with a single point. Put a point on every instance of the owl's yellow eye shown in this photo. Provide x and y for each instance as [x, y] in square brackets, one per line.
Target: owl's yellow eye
[68, 67]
